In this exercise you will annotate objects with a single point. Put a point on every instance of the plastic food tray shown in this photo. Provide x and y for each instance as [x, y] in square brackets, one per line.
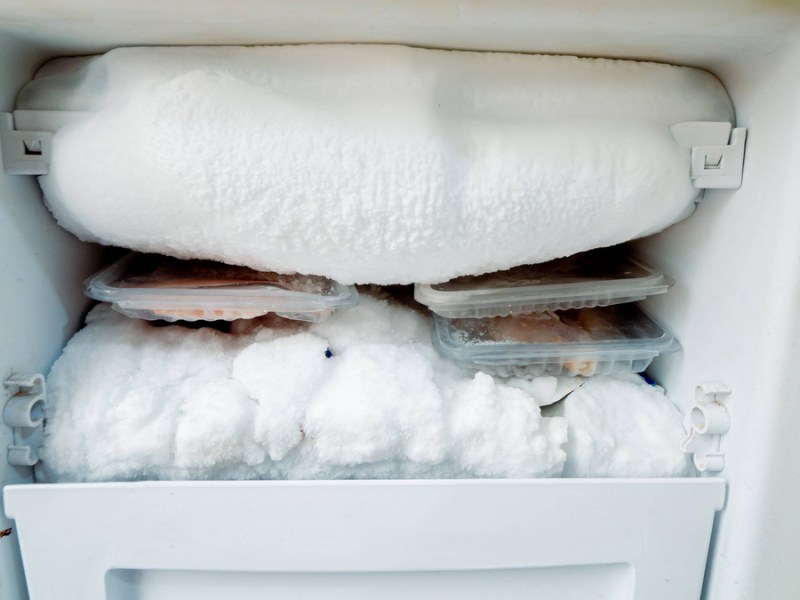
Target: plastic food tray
[597, 278]
[152, 287]
[587, 342]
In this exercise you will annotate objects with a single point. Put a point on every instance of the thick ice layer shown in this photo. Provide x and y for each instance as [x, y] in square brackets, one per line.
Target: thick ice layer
[363, 395]
[621, 427]
[379, 164]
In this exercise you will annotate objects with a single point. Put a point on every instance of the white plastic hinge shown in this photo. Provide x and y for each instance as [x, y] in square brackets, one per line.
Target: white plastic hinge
[706, 423]
[24, 152]
[717, 152]
[24, 414]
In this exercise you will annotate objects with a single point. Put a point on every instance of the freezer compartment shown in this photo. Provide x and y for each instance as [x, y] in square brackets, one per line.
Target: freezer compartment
[735, 260]
[643, 540]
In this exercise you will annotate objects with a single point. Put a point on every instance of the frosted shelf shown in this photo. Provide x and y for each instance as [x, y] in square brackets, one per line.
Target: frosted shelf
[374, 164]
[596, 278]
[148, 286]
[587, 341]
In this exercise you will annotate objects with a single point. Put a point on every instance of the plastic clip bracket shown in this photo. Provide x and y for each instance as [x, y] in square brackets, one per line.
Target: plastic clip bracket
[717, 152]
[24, 152]
[24, 414]
[706, 423]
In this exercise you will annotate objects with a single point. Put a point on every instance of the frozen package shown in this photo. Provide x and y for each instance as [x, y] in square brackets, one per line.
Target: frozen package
[367, 163]
[149, 286]
[596, 278]
[587, 341]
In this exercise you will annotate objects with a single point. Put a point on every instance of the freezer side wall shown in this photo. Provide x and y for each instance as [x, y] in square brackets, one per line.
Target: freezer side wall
[41, 305]
[735, 310]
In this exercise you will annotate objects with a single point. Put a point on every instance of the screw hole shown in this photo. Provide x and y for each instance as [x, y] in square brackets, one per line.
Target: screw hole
[37, 411]
[698, 419]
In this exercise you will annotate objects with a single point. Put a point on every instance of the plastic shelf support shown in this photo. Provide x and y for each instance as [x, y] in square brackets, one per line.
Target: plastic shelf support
[24, 414]
[24, 152]
[706, 423]
[717, 152]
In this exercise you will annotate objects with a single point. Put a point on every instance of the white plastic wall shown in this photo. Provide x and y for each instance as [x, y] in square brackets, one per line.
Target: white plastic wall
[41, 267]
[737, 260]
[735, 310]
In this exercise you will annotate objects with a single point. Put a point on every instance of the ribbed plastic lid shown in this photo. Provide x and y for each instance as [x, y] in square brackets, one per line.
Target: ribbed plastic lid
[597, 278]
[574, 342]
[150, 286]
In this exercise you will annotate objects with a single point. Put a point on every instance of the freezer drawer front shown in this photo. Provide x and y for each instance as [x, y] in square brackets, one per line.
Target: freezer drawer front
[565, 539]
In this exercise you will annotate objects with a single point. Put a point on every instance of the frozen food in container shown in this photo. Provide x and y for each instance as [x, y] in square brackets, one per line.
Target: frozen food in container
[596, 278]
[149, 286]
[586, 341]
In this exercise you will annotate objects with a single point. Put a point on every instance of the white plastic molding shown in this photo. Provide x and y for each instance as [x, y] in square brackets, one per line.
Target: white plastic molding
[571, 539]
[24, 414]
[706, 423]
[717, 150]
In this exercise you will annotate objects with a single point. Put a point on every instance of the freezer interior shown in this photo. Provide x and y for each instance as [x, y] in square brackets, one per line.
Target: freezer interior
[735, 263]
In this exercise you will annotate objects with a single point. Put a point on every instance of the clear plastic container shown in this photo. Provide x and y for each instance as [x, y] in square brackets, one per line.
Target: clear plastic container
[588, 341]
[153, 287]
[597, 278]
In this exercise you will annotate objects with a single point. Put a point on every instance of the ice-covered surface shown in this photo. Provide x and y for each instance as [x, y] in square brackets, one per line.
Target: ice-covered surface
[380, 164]
[128, 400]
[619, 426]
[360, 396]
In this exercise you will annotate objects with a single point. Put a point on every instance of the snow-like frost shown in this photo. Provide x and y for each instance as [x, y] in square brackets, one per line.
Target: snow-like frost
[381, 164]
[362, 395]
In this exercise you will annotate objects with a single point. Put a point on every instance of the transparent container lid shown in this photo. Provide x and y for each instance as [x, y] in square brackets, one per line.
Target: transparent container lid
[585, 341]
[597, 278]
[150, 286]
